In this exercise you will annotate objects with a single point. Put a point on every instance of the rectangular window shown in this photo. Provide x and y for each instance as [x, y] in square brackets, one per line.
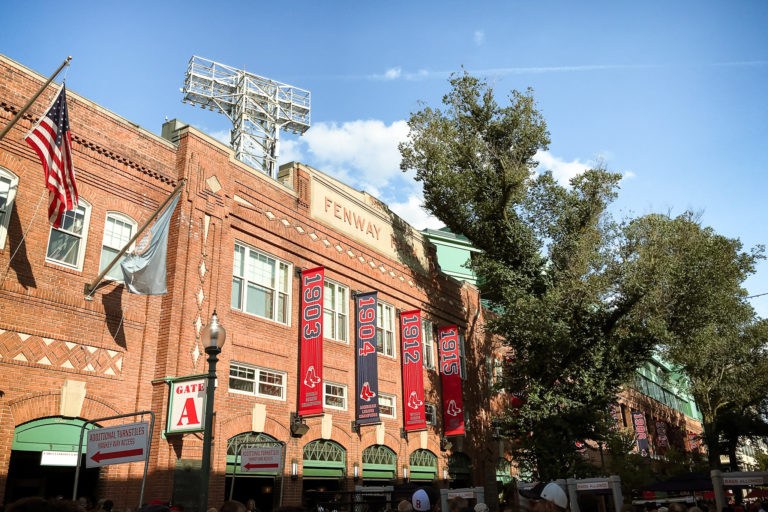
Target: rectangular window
[462, 358]
[8, 185]
[428, 344]
[66, 244]
[498, 371]
[336, 396]
[255, 381]
[430, 412]
[335, 316]
[387, 405]
[385, 334]
[117, 231]
[261, 285]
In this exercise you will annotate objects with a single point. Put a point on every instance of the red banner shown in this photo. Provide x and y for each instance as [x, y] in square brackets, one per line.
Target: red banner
[693, 441]
[661, 434]
[450, 376]
[414, 416]
[311, 376]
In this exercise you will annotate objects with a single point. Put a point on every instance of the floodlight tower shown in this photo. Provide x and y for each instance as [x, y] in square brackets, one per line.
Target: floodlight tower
[258, 108]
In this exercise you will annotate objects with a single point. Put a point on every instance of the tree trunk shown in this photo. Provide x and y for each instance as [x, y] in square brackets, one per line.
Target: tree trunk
[713, 445]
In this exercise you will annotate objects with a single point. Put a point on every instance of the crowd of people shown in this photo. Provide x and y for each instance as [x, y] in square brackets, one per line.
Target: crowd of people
[543, 497]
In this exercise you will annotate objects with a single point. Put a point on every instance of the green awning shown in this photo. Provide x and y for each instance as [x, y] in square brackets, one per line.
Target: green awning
[55, 434]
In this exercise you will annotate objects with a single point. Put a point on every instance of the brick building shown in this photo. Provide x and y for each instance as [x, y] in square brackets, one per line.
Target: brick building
[237, 241]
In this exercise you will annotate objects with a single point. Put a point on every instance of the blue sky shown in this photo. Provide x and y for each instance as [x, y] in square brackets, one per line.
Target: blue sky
[670, 94]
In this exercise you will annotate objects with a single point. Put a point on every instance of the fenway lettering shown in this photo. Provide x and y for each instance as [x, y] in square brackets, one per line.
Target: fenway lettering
[186, 408]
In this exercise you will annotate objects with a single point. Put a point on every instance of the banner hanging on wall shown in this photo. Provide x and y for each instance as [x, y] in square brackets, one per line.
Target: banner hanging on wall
[311, 376]
[450, 377]
[367, 401]
[414, 416]
[641, 432]
[661, 434]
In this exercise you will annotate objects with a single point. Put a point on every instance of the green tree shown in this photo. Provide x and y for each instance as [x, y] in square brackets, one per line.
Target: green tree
[702, 321]
[549, 265]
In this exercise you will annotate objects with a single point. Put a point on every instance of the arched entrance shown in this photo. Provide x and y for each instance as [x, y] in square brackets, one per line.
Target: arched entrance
[423, 466]
[459, 470]
[379, 465]
[43, 460]
[503, 473]
[264, 486]
[324, 470]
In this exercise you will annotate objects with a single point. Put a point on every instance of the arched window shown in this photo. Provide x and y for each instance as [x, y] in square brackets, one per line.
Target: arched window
[460, 467]
[236, 444]
[423, 465]
[503, 471]
[379, 463]
[324, 459]
[9, 182]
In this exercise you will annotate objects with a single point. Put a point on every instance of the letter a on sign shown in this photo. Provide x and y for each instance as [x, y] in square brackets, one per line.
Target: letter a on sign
[188, 413]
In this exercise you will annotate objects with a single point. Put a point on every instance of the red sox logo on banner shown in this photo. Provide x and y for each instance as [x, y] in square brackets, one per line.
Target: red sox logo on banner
[450, 376]
[415, 417]
[311, 383]
[367, 375]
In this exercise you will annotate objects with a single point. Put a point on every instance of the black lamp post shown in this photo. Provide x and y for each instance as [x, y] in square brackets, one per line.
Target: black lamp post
[212, 337]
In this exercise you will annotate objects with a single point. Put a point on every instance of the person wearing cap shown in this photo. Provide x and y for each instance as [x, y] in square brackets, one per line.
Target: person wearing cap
[546, 498]
[420, 501]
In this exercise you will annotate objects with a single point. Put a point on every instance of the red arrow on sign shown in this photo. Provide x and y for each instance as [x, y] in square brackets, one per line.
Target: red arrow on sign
[263, 466]
[98, 456]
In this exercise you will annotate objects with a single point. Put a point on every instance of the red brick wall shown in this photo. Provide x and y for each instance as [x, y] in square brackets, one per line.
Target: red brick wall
[122, 168]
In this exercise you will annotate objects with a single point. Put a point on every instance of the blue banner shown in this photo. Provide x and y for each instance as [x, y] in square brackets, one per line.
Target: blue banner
[367, 401]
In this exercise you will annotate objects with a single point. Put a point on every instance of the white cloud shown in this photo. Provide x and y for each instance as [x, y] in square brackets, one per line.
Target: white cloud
[290, 151]
[628, 175]
[363, 151]
[479, 37]
[393, 73]
[562, 171]
[222, 136]
[412, 212]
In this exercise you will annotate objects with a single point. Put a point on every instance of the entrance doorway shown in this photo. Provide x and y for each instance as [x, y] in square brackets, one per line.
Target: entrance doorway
[28, 476]
[265, 491]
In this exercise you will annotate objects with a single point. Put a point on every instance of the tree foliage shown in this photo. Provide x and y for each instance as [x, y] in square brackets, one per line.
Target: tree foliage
[703, 322]
[549, 265]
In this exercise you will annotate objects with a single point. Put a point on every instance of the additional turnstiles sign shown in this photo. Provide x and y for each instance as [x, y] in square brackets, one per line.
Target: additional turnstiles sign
[116, 445]
[266, 458]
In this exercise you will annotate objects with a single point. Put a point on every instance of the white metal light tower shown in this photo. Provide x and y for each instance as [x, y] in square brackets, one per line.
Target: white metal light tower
[258, 108]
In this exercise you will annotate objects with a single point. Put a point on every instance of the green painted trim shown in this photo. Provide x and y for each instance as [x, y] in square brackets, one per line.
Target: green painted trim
[54, 433]
[322, 472]
[423, 473]
[378, 474]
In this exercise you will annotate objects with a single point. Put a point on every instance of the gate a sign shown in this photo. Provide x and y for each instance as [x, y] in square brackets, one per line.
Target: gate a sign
[116, 445]
[186, 406]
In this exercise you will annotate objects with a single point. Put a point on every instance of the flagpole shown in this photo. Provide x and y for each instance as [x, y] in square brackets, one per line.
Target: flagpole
[33, 98]
[91, 287]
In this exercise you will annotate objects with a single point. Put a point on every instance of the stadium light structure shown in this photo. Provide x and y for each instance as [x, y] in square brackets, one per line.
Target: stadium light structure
[258, 107]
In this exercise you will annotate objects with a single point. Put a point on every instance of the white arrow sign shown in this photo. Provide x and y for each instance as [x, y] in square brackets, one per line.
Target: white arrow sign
[116, 445]
[267, 458]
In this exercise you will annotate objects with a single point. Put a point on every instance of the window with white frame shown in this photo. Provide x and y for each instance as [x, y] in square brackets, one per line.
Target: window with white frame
[261, 284]
[428, 343]
[385, 334]
[8, 185]
[66, 244]
[335, 396]
[261, 382]
[462, 358]
[335, 312]
[118, 229]
[387, 405]
[430, 412]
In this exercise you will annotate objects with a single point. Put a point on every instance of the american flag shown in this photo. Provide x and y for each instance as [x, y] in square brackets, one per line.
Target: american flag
[51, 140]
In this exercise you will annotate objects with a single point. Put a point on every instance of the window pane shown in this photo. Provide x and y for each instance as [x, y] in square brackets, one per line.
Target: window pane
[282, 308]
[259, 301]
[239, 268]
[328, 329]
[342, 328]
[270, 384]
[284, 281]
[72, 221]
[63, 247]
[107, 255]
[341, 305]
[237, 293]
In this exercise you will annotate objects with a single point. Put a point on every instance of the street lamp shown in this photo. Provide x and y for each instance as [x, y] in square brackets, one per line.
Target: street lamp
[212, 338]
